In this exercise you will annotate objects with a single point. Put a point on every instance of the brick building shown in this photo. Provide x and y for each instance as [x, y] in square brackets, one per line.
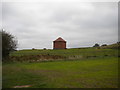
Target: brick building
[59, 44]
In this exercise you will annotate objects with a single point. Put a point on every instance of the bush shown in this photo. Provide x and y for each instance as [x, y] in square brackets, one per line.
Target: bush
[96, 45]
[9, 43]
[104, 45]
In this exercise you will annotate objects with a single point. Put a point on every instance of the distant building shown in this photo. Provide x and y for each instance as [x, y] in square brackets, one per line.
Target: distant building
[59, 44]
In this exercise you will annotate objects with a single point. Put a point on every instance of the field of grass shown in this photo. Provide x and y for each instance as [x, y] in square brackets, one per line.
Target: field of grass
[78, 68]
[69, 54]
[89, 73]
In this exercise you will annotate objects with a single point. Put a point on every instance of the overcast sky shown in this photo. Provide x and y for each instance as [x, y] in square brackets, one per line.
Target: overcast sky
[38, 24]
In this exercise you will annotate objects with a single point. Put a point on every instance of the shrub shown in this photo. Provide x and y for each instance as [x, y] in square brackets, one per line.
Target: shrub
[9, 43]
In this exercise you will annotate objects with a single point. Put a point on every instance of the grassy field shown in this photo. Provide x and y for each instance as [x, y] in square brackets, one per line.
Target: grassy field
[69, 54]
[78, 68]
[89, 73]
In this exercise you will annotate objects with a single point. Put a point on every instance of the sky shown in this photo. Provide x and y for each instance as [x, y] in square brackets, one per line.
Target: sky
[81, 24]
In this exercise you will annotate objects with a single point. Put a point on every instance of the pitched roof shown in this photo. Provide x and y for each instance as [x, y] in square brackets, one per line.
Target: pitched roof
[60, 39]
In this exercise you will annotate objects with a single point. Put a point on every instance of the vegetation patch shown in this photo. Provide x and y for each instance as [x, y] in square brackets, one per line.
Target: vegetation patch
[36, 58]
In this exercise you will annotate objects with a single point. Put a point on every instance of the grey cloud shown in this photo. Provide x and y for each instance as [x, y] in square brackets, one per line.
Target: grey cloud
[80, 24]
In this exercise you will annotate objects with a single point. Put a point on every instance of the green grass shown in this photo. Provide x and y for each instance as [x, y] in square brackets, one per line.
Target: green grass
[68, 54]
[72, 68]
[88, 73]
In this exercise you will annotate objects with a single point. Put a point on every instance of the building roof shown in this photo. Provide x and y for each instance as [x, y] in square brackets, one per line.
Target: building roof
[60, 39]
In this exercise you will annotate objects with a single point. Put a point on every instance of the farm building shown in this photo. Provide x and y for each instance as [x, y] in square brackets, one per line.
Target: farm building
[59, 44]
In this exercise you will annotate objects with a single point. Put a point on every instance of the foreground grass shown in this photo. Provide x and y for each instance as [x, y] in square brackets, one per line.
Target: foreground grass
[88, 73]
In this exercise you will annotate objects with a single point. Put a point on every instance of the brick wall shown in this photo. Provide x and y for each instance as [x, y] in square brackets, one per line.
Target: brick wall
[59, 45]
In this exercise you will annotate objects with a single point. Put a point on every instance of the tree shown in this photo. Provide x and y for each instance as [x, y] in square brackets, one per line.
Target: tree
[9, 43]
[96, 45]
